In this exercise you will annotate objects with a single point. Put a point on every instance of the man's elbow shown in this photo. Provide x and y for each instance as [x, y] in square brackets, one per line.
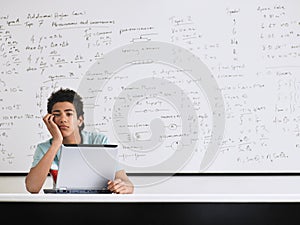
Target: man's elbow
[33, 189]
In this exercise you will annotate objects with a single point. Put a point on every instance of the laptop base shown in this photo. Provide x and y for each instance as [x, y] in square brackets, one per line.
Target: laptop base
[76, 191]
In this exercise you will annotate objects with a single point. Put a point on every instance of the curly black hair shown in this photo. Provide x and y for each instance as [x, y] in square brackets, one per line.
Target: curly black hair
[67, 95]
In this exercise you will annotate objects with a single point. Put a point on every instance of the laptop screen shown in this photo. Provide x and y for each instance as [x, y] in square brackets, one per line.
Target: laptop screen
[86, 166]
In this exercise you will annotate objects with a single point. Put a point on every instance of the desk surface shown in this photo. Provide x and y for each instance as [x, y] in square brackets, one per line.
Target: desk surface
[131, 198]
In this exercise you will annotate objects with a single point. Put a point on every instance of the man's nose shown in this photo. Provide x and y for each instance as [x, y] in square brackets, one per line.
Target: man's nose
[62, 118]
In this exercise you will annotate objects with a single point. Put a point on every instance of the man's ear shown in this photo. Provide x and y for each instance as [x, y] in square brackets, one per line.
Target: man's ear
[80, 121]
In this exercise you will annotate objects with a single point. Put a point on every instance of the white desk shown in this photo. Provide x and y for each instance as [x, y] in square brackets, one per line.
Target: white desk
[169, 198]
[152, 209]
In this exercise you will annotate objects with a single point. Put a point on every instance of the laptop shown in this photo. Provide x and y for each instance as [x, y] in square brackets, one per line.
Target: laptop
[85, 169]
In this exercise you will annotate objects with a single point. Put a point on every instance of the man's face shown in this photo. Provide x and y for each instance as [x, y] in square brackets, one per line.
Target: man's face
[65, 117]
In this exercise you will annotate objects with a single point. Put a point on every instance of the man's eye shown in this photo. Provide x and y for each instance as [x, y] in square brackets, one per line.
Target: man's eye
[55, 115]
[69, 114]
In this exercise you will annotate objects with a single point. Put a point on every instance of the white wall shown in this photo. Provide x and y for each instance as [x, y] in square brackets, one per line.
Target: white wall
[189, 184]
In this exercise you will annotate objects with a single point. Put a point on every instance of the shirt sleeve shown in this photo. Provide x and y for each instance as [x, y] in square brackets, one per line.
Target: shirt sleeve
[99, 138]
[104, 140]
[38, 155]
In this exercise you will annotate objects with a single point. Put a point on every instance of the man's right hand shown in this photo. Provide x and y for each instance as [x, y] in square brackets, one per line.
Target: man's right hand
[53, 128]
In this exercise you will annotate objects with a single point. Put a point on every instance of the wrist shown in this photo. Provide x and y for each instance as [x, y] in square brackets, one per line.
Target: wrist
[56, 143]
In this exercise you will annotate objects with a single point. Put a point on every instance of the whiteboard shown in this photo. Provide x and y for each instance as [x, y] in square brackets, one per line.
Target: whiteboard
[182, 86]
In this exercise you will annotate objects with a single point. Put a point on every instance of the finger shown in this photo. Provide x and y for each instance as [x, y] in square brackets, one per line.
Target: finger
[117, 181]
[119, 187]
[51, 119]
[112, 183]
[121, 190]
[112, 189]
[115, 186]
[49, 123]
[109, 185]
[46, 117]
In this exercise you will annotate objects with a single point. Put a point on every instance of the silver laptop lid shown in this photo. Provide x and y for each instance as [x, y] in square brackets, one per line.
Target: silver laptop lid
[86, 166]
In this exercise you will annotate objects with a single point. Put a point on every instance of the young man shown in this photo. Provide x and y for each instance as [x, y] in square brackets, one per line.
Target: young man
[65, 123]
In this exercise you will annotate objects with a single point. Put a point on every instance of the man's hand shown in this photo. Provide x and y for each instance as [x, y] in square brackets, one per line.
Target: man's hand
[53, 128]
[119, 186]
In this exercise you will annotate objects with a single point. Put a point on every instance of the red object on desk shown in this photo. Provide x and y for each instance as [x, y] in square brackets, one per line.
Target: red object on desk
[54, 174]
